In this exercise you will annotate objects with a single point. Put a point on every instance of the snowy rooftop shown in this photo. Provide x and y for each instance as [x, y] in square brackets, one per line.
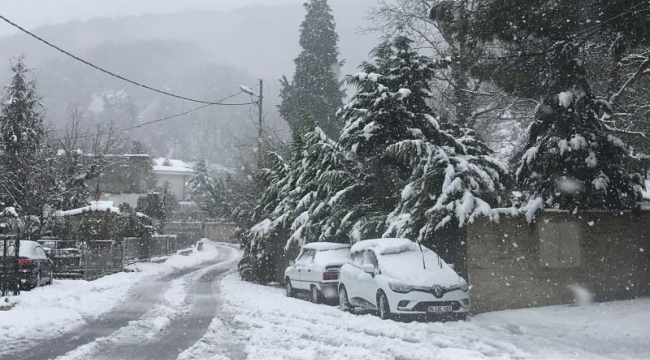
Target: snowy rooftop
[325, 246]
[166, 165]
[385, 246]
[102, 206]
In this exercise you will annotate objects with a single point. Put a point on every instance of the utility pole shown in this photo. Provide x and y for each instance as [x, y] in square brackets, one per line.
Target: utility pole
[261, 119]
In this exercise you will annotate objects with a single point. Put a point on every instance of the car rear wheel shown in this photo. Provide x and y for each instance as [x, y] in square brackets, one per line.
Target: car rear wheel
[51, 278]
[344, 302]
[315, 295]
[290, 291]
[383, 307]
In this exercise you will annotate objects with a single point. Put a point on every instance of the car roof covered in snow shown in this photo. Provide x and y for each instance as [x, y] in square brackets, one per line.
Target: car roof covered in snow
[385, 246]
[324, 246]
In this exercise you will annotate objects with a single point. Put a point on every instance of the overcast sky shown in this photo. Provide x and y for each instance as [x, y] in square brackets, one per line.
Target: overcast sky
[32, 13]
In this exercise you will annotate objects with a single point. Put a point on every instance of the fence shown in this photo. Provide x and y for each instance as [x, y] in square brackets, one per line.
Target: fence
[9, 282]
[88, 260]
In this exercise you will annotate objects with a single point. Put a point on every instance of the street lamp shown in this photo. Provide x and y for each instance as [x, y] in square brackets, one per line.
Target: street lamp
[259, 97]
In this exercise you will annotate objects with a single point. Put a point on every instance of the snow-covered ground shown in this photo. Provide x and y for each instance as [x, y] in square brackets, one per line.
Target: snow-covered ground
[50, 311]
[261, 323]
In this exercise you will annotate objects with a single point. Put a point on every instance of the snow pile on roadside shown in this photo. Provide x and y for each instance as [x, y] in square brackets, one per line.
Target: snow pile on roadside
[268, 325]
[275, 327]
[50, 311]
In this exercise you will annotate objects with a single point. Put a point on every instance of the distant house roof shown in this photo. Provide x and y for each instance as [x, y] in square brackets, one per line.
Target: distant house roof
[103, 206]
[163, 165]
[100, 206]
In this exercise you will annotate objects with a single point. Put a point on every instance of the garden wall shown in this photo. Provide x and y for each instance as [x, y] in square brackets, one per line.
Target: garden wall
[513, 264]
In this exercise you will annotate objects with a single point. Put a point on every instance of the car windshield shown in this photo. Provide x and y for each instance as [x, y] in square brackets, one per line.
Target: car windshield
[418, 268]
[253, 179]
[332, 257]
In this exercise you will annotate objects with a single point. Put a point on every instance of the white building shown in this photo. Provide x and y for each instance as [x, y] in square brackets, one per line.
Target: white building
[175, 172]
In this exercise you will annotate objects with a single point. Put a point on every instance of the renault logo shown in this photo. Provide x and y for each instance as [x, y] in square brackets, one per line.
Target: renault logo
[437, 291]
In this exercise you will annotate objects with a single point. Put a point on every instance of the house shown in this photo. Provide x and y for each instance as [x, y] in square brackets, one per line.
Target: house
[176, 173]
[124, 178]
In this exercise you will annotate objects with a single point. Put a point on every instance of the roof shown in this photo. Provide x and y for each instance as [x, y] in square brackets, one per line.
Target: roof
[166, 165]
[324, 246]
[385, 245]
[103, 206]
[100, 206]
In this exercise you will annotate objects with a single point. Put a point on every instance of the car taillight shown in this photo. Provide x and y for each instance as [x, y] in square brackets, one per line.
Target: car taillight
[330, 275]
[24, 262]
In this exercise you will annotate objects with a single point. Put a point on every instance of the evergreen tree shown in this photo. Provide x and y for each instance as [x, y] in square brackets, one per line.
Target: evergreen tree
[201, 185]
[22, 134]
[573, 159]
[315, 90]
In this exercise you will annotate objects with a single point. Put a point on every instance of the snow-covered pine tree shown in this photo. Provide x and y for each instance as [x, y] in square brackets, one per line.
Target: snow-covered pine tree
[390, 106]
[202, 189]
[573, 162]
[573, 159]
[22, 134]
[315, 90]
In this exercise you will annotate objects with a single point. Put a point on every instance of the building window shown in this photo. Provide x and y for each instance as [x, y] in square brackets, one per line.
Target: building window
[559, 244]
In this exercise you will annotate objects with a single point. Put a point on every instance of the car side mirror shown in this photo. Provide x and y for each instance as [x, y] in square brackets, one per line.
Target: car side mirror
[368, 268]
[292, 262]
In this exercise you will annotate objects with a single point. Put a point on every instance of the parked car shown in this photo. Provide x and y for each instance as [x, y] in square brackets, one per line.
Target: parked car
[316, 270]
[398, 276]
[34, 266]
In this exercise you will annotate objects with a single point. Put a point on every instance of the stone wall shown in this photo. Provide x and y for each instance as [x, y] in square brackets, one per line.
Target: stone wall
[512, 264]
[219, 231]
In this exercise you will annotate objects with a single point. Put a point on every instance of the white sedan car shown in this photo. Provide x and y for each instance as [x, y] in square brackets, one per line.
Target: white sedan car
[397, 276]
[316, 270]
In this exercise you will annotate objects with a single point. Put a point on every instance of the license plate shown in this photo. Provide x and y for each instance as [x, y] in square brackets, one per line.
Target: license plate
[440, 309]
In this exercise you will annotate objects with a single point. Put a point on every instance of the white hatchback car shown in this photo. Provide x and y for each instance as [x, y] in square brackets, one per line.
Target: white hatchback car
[397, 276]
[316, 270]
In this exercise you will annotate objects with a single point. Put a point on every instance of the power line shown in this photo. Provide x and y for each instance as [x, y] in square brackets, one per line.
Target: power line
[147, 123]
[112, 73]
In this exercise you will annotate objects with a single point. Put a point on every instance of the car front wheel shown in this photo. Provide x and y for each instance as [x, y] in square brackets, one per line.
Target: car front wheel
[290, 291]
[344, 302]
[384, 308]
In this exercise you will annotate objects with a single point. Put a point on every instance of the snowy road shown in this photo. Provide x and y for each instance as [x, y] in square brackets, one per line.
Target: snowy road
[200, 310]
[162, 317]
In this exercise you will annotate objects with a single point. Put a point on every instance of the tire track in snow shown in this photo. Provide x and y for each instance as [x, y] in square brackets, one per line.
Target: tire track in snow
[141, 300]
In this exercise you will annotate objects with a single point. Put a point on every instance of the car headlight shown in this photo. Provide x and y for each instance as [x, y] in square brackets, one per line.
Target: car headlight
[399, 287]
[463, 285]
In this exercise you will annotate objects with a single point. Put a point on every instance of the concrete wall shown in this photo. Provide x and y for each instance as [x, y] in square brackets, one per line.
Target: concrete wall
[219, 232]
[119, 199]
[197, 230]
[512, 264]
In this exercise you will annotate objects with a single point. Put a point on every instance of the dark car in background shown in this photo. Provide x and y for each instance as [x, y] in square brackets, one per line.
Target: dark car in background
[35, 268]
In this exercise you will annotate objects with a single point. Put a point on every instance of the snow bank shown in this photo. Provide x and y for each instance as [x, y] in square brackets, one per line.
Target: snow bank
[49, 311]
[262, 323]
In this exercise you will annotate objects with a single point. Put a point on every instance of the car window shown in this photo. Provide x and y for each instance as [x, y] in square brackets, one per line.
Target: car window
[39, 253]
[370, 258]
[357, 258]
[310, 257]
[303, 255]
